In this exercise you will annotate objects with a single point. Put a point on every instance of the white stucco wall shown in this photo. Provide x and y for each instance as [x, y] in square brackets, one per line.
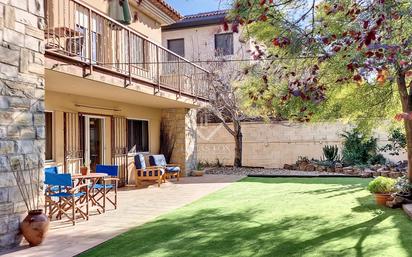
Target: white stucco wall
[200, 42]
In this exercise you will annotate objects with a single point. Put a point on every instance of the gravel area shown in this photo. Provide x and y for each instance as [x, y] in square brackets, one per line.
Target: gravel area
[260, 171]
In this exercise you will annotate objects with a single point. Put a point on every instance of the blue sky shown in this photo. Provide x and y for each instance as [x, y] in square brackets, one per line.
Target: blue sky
[186, 7]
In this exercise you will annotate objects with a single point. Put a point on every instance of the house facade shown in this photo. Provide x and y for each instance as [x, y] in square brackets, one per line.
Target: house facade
[201, 37]
[82, 86]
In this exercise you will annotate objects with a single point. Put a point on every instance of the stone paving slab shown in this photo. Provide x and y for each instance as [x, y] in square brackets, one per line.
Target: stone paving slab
[136, 207]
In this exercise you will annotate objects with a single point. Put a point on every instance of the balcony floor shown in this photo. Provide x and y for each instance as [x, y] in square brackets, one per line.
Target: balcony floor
[136, 207]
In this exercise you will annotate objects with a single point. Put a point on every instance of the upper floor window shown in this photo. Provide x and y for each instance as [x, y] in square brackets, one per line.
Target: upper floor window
[48, 116]
[137, 136]
[177, 46]
[224, 44]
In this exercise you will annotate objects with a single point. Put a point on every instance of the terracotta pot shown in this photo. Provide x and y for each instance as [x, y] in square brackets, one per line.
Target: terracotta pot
[198, 173]
[381, 199]
[34, 227]
[83, 170]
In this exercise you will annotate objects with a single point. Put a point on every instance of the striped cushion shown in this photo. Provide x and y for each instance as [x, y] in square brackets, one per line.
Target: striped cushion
[150, 173]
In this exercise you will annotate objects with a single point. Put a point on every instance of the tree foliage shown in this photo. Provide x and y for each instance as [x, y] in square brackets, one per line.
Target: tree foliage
[336, 59]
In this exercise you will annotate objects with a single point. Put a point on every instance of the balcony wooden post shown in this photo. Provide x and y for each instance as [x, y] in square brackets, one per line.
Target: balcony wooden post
[193, 81]
[158, 68]
[90, 41]
[129, 59]
[178, 77]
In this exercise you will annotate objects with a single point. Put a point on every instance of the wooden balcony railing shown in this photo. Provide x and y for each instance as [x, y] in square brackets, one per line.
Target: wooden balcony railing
[85, 35]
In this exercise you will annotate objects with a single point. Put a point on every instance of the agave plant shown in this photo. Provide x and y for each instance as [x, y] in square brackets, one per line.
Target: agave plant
[331, 153]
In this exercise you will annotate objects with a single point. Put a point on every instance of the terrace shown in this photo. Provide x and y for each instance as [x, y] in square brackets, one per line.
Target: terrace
[80, 35]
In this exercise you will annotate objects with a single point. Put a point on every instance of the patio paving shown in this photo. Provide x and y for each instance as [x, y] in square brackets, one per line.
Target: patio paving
[136, 207]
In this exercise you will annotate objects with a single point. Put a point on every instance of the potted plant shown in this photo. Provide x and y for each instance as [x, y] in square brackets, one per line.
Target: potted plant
[199, 171]
[36, 224]
[382, 187]
[83, 169]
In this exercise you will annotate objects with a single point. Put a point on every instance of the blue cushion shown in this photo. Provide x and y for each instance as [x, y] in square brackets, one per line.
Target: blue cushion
[157, 160]
[100, 186]
[150, 173]
[111, 170]
[172, 169]
[63, 194]
[139, 161]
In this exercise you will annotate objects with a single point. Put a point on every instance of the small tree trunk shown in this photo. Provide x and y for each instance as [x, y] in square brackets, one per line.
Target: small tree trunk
[406, 101]
[408, 132]
[238, 144]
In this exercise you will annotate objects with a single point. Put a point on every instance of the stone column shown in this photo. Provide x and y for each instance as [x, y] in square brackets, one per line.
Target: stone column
[181, 123]
[21, 105]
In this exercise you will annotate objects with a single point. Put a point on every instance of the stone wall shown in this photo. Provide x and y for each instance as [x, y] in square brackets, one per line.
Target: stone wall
[21, 105]
[273, 145]
[181, 123]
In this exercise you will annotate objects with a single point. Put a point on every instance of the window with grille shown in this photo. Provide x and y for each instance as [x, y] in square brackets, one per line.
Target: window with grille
[224, 44]
[177, 46]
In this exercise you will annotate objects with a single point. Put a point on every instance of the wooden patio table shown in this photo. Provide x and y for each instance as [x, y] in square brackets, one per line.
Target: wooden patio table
[94, 178]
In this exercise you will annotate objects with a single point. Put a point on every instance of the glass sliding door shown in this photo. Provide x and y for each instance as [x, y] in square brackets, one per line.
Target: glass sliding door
[94, 141]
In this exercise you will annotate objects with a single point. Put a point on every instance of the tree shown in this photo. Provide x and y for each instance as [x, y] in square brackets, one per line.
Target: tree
[225, 100]
[344, 46]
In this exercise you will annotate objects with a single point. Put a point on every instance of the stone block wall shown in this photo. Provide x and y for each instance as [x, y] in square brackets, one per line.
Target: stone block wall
[271, 145]
[21, 106]
[182, 124]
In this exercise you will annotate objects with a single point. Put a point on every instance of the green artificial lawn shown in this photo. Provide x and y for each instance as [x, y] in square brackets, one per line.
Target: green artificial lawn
[273, 217]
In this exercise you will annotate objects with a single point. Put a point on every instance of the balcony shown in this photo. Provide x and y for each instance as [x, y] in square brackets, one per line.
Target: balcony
[83, 36]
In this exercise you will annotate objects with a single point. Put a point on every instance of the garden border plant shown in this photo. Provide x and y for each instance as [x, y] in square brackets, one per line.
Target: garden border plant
[382, 188]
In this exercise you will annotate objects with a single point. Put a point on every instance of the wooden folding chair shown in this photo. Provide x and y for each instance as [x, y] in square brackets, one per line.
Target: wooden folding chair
[71, 200]
[102, 190]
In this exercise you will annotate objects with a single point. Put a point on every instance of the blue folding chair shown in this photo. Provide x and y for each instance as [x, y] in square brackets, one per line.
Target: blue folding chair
[71, 200]
[102, 190]
[52, 169]
[50, 190]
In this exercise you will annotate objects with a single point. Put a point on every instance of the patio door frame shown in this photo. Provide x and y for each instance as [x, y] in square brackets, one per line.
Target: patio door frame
[87, 118]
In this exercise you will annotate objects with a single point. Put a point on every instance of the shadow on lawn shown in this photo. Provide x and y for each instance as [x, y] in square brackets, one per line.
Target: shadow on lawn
[336, 191]
[212, 232]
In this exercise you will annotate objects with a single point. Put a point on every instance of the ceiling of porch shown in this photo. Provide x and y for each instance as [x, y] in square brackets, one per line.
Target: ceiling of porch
[65, 83]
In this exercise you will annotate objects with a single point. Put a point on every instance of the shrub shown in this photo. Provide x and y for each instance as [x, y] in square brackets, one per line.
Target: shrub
[403, 186]
[331, 153]
[397, 142]
[382, 185]
[218, 163]
[359, 149]
[377, 159]
[200, 166]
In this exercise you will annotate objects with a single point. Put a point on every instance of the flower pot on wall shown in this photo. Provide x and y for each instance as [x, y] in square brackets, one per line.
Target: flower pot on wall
[34, 227]
[381, 199]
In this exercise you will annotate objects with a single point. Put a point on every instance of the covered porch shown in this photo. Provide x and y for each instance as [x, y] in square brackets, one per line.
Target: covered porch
[90, 122]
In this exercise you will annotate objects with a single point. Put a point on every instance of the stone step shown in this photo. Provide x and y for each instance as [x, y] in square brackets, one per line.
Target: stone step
[408, 209]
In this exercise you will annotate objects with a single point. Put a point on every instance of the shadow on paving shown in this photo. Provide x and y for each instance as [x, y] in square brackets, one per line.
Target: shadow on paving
[213, 232]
